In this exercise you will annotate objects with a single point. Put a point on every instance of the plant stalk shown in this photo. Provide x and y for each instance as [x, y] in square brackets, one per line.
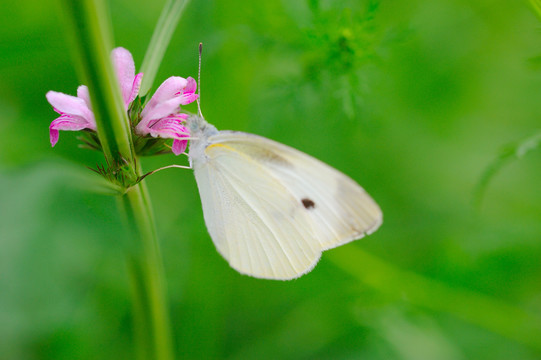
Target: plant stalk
[92, 38]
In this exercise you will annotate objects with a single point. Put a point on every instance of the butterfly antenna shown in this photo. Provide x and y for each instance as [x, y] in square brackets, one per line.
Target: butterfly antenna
[199, 82]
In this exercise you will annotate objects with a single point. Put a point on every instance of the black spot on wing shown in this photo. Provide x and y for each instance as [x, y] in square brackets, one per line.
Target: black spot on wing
[308, 203]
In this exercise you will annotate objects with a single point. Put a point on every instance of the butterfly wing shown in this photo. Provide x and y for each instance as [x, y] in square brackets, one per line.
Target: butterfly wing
[271, 210]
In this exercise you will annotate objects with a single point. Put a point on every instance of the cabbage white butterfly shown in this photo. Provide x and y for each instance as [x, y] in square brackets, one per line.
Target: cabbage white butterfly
[270, 209]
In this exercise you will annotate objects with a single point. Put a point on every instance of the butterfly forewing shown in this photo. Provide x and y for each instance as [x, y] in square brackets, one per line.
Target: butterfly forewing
[340, 209]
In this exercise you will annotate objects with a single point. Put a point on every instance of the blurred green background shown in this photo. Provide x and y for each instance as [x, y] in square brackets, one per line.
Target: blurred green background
[412, 99]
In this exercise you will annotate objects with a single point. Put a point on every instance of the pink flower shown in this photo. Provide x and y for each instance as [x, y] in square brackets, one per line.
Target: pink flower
[161, 117]
[76, 112]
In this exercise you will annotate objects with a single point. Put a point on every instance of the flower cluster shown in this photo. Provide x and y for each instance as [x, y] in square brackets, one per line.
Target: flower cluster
[160, 117]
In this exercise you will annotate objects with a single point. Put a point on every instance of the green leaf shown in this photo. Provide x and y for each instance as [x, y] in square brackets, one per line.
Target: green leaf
[161, 37]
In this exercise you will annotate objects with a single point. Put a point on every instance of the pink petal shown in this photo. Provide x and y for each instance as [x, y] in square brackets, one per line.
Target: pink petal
[53, 136]
[67, 104]
[191, 85]
[179, 146]
[125, 71]
[189, 95]
[161, 110]
[135, 88]
[168, 90]
[67, 122]
[171, 127]
[188, 99]
[82, 93]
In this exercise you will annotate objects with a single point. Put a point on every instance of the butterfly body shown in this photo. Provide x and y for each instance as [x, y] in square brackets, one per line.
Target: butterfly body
[271, 209]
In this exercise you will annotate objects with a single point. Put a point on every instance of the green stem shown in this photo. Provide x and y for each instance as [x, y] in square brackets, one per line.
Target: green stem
[93, 42]
[160, 40]
[92, 38]
[536, 5]
[144, 261]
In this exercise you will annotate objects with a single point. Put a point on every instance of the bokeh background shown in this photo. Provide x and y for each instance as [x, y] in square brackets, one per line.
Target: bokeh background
[413, 99]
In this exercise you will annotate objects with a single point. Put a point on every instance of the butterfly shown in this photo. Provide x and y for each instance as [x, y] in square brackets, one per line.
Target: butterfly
[270, 209]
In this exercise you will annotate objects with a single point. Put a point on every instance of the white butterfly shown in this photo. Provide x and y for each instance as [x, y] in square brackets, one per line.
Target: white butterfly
[270, 209]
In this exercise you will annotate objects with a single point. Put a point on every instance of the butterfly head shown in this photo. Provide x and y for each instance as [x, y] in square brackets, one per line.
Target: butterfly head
[199, 128]
[200, 131]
